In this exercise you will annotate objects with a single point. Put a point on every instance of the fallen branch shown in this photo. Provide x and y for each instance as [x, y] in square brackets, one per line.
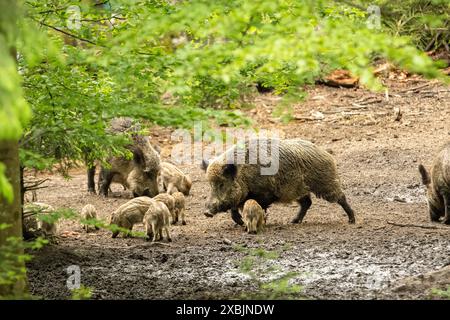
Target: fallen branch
[415, 89]
[435, 91]
[358, 106]
[305, 118]
[410, 225]
[369, 100]
[159, 243]
[35, 183]
[34, 188]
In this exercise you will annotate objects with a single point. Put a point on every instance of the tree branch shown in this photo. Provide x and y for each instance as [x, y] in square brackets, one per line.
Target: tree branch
[68, 33]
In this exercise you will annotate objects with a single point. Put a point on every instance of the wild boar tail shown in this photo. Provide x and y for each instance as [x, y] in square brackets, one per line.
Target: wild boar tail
[426, 180]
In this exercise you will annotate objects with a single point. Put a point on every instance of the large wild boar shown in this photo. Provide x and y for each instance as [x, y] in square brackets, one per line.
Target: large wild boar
[138, 174]
[438, 186]
[302, 169]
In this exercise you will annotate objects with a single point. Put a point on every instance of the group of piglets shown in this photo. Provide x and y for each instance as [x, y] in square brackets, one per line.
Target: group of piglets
[156, 213]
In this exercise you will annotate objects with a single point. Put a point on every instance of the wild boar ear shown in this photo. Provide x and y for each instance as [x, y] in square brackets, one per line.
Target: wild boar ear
[425, 176]
[138, 156]
[204, 165]
[229, 170]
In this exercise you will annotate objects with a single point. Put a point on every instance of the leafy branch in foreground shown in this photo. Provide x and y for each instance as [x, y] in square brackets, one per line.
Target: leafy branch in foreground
[254, 264]
[444, 294]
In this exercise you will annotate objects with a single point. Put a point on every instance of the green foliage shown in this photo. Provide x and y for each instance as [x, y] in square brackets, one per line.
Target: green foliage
[128, 55]
[6, 189]
[254, 264]
[425, 22]
[281, 288]
[82, 293]
[14, 111]
[444, 294]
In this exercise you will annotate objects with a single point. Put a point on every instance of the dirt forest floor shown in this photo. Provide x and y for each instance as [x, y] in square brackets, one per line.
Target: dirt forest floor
[383, 256]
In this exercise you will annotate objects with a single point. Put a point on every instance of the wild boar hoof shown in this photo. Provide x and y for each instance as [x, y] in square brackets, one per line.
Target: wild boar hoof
[351, 221]
[207, 214]
[295, 221]
[446, 221]
[183, 223]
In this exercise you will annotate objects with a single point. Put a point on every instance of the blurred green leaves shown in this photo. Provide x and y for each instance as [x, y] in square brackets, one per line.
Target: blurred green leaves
[176, 63]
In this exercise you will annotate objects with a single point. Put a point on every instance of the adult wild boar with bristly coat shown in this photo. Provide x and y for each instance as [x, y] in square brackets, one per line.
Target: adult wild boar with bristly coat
[303, 168]
[438, 186]
[138, 174]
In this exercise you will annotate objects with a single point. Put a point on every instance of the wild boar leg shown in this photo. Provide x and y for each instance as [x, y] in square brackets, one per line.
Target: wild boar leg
[155, 232]
[236, 216]
[91, 178]
[183, 220]
[170, 188]
[168, 234]
[305, 204]
[447, 210]
[175, 216]
[348, 210]
[105, 180]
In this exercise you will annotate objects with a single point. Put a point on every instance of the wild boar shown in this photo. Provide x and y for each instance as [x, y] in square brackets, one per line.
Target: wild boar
[157, 220]
[253, 216]
[130, 213]
[179, 207]
[169, 201]
[138, 174]
[137, 181]
[89, 212]
[173, 179]
[293, 169]
[42, 209]
[438, 186]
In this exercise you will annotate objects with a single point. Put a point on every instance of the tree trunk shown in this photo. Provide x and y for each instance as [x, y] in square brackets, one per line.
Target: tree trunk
[11, 213]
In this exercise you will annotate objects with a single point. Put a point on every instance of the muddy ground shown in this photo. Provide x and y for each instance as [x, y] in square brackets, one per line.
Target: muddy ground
[377, 158]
